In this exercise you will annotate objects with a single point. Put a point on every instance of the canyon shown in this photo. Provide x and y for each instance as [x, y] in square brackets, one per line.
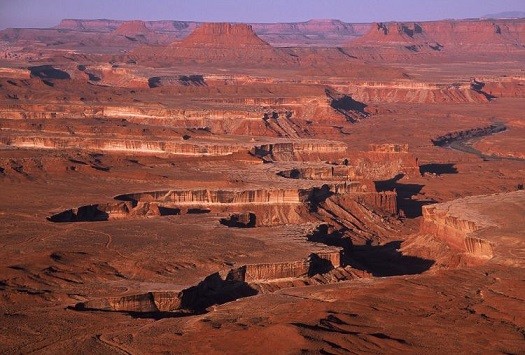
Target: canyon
[312, 187]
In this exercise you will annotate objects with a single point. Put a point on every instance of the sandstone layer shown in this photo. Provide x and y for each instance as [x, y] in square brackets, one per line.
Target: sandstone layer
[313, 187]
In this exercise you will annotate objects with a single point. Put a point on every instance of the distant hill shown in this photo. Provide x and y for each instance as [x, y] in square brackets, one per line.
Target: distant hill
[506, 14]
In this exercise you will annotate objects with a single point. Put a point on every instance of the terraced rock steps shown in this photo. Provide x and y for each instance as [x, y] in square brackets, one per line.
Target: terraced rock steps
[244, 281]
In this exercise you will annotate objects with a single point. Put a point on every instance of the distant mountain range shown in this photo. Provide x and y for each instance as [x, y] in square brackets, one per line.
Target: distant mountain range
[506, 14]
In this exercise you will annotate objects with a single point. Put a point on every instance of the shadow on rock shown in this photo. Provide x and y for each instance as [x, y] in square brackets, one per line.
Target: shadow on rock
[214, 290]
[385, 260]
[411, 208]
[438, 169]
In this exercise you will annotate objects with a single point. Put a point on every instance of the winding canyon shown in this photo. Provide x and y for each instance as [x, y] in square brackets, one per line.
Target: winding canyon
[315, 187]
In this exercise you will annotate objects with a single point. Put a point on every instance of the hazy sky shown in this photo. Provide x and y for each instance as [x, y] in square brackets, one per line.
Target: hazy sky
[46, 13]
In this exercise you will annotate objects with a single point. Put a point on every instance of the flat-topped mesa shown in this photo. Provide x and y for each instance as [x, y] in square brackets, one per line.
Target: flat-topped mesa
[101, 25]
[395, 32]
[391, 159]
[132, 28]
[437, 35]
[456, 231]
[486, 227]
[300, 150]
[412, 92]
[487, 32]
[246, 208]
[327, 24]
[223, 35]
[244, 281]
[107, 211]
[213, 43]
[381, 162]
[318, 262]
[125, 145]
[223, 196]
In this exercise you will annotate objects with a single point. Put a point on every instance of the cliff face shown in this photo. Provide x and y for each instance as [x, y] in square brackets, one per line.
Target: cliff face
[132, 28]
[101, 25]
[441, 34]
[148, 302]
[388, 160]
[223, 35]
[381, 162]
[299, 150]
[209, 197]
[104, 212]
[456, 231]
[124, 145]
[484, 227]
[223, 43]
[313, 32]
[397, 40]
[411, 92]
[318, 262]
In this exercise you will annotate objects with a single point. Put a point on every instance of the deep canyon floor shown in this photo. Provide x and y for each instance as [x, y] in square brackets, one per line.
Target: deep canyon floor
[246, 189]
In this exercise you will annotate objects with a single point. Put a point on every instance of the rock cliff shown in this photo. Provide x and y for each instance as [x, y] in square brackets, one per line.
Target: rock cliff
[299, 150]
[214, 43]
[132, 28]
[441, 39]
[481, 227]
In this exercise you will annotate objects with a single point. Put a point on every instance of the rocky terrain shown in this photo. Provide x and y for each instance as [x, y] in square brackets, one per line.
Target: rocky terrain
[316, 187]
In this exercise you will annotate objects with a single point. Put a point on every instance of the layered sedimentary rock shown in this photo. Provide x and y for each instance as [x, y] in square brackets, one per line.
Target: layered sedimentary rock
[148, 302]
[15, 73]
[99, 25]
[109, 75]
[223, 196]
[132, 28]
[212, 290]
[408, 91]
[313, 32]
[244, 281]
[480, 226]
[316, 263]
[360, 216]
[267, 207]
[392, 159]
[299, 150]
[125, 145]
[326, 173]
[513, 86]
[215, 43]
[104, 212]
[440, 39]
[381, 162]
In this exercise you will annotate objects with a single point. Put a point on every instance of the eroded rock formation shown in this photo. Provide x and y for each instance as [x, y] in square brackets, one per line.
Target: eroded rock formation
[476, 227]
[440, 39]
[223, 43]
[299, 150]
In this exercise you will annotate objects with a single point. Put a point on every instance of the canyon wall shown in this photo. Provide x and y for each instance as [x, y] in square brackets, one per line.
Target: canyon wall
[458, 231]
[124, 145]
[318, 262]
[414, 92]
[107, 211]
[439, 41]
[299, 150]
[223, 196]
[313, 32]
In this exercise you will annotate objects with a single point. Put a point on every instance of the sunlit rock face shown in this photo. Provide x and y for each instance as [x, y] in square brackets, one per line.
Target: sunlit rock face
[307, 187]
